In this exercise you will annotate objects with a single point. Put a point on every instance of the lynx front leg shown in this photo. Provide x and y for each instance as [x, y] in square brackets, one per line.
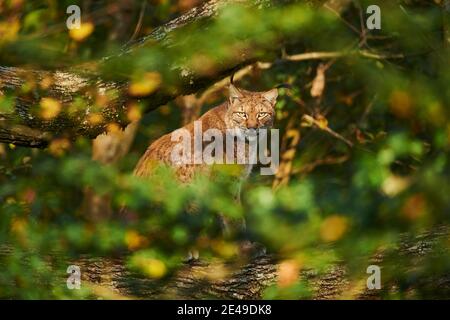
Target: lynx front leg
[233, 227]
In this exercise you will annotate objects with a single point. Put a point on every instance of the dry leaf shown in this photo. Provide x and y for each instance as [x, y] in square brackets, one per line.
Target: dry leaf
[415, 207]
[318, 84]
[393, 185]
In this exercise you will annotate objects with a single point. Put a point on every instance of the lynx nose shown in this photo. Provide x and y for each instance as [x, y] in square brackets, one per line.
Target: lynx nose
[252, 125]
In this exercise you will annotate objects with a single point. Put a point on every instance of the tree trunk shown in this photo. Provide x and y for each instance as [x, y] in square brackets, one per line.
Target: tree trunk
[111, 279]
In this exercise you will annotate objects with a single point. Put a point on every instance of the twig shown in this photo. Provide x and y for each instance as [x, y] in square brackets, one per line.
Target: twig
[237, 75]
[373, 55]
[319, 55]
[315, 56]
[367, 110]
[319, 162]
[290, 142]
[319, 125]
[352, 27]
[139, 23]
[339, 54]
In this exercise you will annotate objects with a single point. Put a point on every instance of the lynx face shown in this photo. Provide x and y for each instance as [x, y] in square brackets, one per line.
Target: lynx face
[251, 111]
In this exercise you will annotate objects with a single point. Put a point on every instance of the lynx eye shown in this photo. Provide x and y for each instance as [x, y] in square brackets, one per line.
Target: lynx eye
[262, 115]
[241, 114]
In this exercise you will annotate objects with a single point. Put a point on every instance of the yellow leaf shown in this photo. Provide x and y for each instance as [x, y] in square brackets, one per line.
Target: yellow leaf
[2, 150]
[225, 249]
[113, 128]
[81, 33]
[58, 146]
[9, 30]
[19, 225]
[134, 240]
[50, 108]
[333, 228]
[307, 121]
[145, 85]
[153, 268]
[394, 185]
[401, 104]
[322, 122]
[10, 200]
[46, 82]
[134, 113]
[95, 118]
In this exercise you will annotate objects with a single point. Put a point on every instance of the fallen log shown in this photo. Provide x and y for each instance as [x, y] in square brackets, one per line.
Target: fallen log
[202, 280]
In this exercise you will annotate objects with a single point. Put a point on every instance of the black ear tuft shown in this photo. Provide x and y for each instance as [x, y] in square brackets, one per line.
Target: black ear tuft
[234, 92]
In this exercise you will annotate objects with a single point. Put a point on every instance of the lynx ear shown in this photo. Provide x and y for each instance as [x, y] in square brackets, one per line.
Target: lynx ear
[271, 95]
[234, 93]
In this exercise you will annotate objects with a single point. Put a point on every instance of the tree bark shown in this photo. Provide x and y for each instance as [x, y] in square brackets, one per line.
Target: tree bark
[110, 278]
[249, 281]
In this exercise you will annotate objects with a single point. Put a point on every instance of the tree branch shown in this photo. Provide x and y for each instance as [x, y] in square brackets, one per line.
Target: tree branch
[29, 87]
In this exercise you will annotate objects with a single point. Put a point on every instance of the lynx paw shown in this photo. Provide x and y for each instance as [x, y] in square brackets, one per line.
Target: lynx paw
[192, 256]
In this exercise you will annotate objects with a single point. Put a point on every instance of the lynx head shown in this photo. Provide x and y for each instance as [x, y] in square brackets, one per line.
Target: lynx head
[251, 111]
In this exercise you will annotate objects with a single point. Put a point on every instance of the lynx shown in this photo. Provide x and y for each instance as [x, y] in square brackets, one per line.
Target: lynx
[245, 111]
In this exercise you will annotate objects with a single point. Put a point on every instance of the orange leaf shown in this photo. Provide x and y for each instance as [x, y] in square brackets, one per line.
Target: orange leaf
[333, 228]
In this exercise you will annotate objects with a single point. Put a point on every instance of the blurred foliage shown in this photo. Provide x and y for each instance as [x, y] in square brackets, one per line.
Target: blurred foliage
[394, 180]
